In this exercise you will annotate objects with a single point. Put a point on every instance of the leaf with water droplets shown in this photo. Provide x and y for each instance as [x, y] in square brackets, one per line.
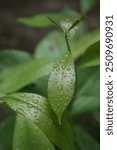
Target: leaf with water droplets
[38, 110]
[27, 136]
[61, 84]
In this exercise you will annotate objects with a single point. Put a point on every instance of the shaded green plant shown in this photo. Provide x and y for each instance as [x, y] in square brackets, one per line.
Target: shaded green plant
[48, 90]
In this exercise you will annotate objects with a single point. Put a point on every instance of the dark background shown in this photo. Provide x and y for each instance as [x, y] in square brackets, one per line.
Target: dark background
[16, 36]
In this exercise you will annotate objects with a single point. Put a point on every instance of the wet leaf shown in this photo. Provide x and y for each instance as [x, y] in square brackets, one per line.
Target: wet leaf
[27, 136]
[61, 84]
[38, 110]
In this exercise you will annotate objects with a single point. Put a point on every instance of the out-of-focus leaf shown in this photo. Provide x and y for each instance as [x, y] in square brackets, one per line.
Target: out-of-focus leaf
[52, 46]
[38, 110]
[86, 5]
[42, 20]
[91, 56]
[80, 47]
[9, 58]
[84, 140]
[87, 94]
[6, 134]
[27, 136]
[14, 78]
[61, 84]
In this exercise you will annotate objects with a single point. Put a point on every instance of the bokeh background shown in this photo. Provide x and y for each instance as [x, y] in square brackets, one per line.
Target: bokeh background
[16, 36]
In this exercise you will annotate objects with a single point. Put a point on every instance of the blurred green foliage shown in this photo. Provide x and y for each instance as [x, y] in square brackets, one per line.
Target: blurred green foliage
[24, 72]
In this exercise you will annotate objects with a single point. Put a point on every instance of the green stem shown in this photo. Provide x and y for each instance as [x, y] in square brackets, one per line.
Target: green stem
[67, 42]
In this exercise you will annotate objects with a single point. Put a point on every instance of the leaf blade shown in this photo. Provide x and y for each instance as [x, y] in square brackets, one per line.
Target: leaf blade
[61, 84]
[37, 109]
[25, 130]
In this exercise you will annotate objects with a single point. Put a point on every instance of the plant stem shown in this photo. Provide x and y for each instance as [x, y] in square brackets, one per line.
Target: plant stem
[67, 41]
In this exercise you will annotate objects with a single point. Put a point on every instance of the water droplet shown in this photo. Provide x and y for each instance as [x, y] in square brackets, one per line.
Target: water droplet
[68, 69]
[63, 67]
[35, 101]
[60, 87]
[62, 61]
[56, 65]
[29, 105]
[20, 110]
[57, 69]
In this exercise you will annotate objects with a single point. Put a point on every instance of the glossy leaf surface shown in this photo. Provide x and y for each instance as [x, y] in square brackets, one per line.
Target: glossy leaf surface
[27, 136]
[38, 110]
[61, 84]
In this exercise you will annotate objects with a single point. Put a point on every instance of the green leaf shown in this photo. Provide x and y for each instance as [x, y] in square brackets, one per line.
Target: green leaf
[86, 5]
[76, 23]
[6, 134]
[87, 91]
[14, 78]
[80, 47]
[91, 56]
[61, 84]
[27, 136]
[84, 140]
[38, 110]
[42, 20]
[9, 58]
[52, 46]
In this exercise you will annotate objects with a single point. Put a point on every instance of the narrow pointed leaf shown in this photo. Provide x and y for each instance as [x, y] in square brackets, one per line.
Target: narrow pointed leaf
[76, 23]
[38, 110]
[61, 84]
[27, 136]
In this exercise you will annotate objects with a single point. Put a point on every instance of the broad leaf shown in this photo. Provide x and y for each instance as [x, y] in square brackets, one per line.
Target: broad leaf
[42, 20]
[38, 110]
[9, 58]
[52, 46]
[14, 78]
[84, 140]
[6, 134]
[61, 84]
[80, 46]
[91, 56]
[27, 136]
[87, 90]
